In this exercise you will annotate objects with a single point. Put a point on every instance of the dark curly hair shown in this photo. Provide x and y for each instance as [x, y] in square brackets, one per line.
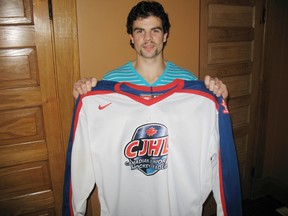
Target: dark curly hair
[145, 9]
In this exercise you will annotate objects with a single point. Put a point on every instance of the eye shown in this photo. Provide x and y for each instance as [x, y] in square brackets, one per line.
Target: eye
[156, 30]
[139, 31]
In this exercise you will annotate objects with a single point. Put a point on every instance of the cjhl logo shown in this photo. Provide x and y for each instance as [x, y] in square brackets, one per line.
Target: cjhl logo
[148, 149]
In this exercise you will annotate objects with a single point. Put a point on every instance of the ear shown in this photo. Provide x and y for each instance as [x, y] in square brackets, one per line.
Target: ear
[131, 38]
[165, 37]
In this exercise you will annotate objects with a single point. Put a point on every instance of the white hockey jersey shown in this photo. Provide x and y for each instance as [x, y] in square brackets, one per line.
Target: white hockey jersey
[151, 151]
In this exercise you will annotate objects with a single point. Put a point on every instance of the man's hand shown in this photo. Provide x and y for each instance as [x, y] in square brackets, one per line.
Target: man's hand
[83, 86]
[216, 86]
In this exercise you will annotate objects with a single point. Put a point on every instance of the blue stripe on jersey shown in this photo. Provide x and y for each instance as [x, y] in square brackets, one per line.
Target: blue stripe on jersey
[66, 204]
[127, 73]
[230, 172]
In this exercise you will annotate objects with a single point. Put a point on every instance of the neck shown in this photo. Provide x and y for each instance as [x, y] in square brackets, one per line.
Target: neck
[150, 69]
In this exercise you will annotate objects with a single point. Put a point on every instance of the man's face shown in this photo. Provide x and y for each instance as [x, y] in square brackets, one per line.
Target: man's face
[148, 36]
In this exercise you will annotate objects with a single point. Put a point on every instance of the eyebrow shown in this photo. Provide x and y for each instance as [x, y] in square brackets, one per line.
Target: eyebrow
[155, 28]
[135, 29]
[159, 28]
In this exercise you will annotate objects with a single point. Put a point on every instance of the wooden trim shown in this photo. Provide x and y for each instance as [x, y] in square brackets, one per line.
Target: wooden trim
[66, 61]
[66, 58]
[54, 137]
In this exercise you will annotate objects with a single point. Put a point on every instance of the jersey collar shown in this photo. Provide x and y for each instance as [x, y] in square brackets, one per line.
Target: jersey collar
[148, 95]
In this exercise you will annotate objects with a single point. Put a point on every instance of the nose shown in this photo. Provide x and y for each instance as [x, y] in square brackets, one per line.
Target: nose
[147, 36]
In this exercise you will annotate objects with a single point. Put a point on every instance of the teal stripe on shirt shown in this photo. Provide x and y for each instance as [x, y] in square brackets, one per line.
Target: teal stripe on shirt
[127, 73]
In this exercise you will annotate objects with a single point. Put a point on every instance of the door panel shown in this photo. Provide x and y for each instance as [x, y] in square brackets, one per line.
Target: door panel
[31, 145]
[15, 12]
[230, 48]
[221, 15]
[229, 52]
[18, 67]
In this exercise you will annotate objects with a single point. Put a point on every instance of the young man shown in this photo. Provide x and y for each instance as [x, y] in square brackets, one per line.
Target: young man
[148, 27]
[144, 175]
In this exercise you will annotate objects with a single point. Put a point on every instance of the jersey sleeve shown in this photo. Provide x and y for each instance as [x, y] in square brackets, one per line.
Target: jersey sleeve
[226, 189]
[79, 176]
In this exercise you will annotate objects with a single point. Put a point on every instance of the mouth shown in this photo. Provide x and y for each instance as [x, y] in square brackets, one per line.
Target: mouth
[148, 46]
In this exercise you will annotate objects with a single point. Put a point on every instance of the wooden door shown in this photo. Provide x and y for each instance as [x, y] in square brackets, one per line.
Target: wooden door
[231, 33]
[271, 167]
[31, 146]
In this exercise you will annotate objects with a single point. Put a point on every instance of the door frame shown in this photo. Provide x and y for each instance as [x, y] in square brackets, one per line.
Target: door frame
[65, 40]
[63, 21]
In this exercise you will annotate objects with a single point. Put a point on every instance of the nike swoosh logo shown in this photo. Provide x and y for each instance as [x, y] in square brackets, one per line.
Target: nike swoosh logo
[101, 107]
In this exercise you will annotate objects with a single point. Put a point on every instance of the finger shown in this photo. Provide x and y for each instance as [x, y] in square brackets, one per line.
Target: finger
[218, 88]
[223, 91]
[207, 81]
[225, 95]
[94, 81]
[88, 84]
[75, 94]
[83, 88]
[77, 90]
[85, 85]
[77, 87]
[83, 80]
[212, 84]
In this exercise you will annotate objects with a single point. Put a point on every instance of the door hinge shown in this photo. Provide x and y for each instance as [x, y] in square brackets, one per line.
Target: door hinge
[50, 9]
